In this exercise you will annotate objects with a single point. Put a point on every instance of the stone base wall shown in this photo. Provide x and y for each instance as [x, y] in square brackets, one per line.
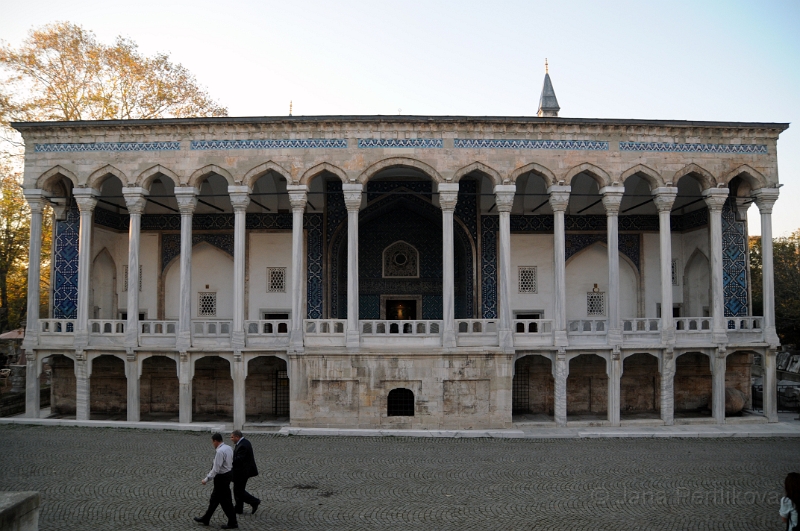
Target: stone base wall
[108, 386]
[159, 387]
[450, 392]
[62, 386]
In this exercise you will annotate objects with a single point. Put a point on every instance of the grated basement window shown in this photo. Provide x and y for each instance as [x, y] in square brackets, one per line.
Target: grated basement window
[596, 303]
[527, 279]
[400, 403]
[207, 304]
[276, 279]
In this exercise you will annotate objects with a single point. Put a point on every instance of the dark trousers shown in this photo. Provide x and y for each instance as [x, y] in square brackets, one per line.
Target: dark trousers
[241, 495]
[221, 495]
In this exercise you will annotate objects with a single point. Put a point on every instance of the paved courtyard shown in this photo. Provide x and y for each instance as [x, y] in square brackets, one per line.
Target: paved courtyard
[101, 479]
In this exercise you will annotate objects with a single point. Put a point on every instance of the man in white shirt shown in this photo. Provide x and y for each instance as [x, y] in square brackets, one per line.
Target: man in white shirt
[222, 475]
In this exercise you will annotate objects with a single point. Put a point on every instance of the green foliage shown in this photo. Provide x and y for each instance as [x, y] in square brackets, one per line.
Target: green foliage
[786, 268]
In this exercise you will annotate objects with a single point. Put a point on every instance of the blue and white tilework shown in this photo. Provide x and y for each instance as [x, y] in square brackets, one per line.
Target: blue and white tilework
[578, 145]
[489, 227]
[734, 261]
[312, 223]
[424, 143]
[308, 143]
[65, 266]
[107, 146]
[757, 149]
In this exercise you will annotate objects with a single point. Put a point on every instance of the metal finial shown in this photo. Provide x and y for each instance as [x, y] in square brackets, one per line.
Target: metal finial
[546, 68]
[290, 107]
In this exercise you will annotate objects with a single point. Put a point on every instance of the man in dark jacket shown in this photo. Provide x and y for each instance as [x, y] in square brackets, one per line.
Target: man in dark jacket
[244, 468]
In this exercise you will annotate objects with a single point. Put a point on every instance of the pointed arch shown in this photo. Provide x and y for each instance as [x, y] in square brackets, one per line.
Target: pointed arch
[493, 174]
[313, 171]
[200, 175]
[256, 173]
[548, 176]
[753, 177]
[146, 178]
[53, 173]
[704, 177]
[648, 174]
[393, 162]
[596, 173]
[98, 177]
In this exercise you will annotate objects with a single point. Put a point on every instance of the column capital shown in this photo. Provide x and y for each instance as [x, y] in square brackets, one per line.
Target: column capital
[135, 198]
[448, 195]
[86, 198]
[765, 199]
[35, 198]
[298, 196]
[664, 197]
[559, 197]
[612, 198]
[504, 196]
[186, 196]
[715, 198]
[352, 196]
[239, 196]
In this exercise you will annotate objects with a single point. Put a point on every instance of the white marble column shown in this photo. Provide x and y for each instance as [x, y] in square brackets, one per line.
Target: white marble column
[298, 196]
[559, 200]
[352, 200]
[240, 198]
[448, 197]
[185, 376]
[36, 201]
[614, 373]
[186, 196]
[504, 198]
[135, 201]
[81, 388]
[765, 199]
[664, 197]
[667, 387]
[132, 376]
[87, 200]
[718, 367]
[32, 371]
[612, 198]
[239, 400]
[560, 369]
[715, 199]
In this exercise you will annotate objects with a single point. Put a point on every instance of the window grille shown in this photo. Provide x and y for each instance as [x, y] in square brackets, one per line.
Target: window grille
[595, 303]
[207, 304]
[276, 279]
[400, 260]
[674, 272]
[400, 403]
[125, 278]
[527, 279]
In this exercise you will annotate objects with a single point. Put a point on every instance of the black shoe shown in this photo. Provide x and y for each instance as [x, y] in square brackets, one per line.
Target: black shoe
[200, 520]
[229, 526]
[255, 506]
[240, 511]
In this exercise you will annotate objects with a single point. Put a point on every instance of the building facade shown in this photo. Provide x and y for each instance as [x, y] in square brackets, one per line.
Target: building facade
[401, 271]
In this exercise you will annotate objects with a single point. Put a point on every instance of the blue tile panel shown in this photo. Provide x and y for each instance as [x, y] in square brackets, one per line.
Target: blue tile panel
[308, 143]
[428, 143]
[489, 227]
[758, 149]
[579, 145]
[734, 261]
[65, 266]
[107, 146]
[313, 224]
[636, 222]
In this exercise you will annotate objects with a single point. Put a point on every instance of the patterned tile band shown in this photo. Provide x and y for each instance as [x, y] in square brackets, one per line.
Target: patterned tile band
[582, 145]
[401, 143]
[760, 149]
[309, 143]
[108, 146]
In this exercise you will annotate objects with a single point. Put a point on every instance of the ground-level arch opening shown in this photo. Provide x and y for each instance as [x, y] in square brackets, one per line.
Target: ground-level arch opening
[108, 389]
[640, 385]
[212, 390]
[738, 386]
[532, 390]
[62, 387]
[693, 384]
[159, 389]
[400, 403]
[266, 390]
[587, 388]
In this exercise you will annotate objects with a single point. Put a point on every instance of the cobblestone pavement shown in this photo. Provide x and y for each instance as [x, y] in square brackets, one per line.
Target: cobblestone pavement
[98, 479]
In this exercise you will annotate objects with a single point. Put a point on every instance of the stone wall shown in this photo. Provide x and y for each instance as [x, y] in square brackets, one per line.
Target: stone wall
[640, 384]
[212, 387]
[159, 388]
[587, 385]
[692, 382]
[108, 386]
[62, 387]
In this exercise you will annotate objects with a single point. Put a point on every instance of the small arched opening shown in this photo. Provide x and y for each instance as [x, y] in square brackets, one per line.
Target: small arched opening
[587, 388]
[108, 389]
[159, 390]
[266, 390]
[738, 386]
[532, 389]
[400, 403]
[212, 390]
[640, 385]
[62, 386]
[693, 383]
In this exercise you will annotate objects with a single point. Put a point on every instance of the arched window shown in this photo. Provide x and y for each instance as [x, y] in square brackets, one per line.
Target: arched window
[400, 403]
[400, 260]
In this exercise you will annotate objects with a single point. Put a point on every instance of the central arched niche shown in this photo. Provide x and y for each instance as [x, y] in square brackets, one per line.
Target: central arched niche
[211, 267]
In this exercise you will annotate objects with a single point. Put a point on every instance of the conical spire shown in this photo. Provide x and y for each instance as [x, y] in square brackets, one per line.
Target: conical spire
[548, 104]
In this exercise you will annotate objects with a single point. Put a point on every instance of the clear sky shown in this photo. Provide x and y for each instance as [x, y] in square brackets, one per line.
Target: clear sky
[725, 60]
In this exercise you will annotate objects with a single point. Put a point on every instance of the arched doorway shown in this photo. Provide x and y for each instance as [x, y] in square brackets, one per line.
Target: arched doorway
[212, 390]
[108, 389]
[696, 285]
[693, 385]
[532, 390]
[63, 390]
[640, 387]
[587, 388]
[159, 389]
[104, 287]
[266, 390]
